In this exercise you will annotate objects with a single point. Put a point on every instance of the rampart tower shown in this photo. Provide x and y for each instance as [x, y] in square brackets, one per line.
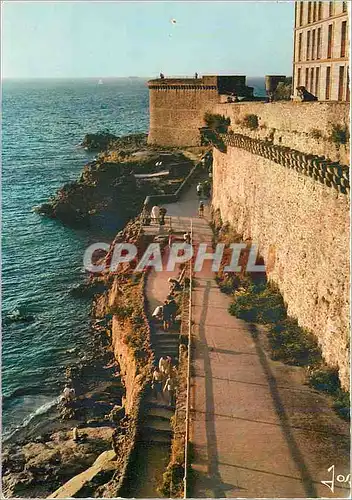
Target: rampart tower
[178, 105]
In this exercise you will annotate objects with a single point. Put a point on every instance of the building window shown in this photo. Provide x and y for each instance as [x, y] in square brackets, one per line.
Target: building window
[313, 45]
[301, 4]
[314, 11]
[344, 6]
[319, 43]
[329, 41]
[300, 47]
[320, 10]
[317, 81]
[311, 88]
[299, 77]
[343, 39]
[307, 78]
[309, 12]
[328, 83]
[348, 86]
[308, 46]
[341, 79]
[331, 9]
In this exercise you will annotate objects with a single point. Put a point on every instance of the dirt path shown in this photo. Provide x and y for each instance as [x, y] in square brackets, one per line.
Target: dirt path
[256, 428]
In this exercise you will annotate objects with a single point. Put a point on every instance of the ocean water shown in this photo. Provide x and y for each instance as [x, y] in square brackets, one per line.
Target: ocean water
[43, 122]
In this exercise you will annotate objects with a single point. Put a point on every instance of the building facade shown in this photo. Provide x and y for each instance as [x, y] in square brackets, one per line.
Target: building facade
[321, 49]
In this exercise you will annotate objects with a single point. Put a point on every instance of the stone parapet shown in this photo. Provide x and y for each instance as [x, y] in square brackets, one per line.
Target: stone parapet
[332, 174]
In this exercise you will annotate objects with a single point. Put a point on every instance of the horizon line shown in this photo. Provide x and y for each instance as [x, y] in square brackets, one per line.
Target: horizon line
[3, 78]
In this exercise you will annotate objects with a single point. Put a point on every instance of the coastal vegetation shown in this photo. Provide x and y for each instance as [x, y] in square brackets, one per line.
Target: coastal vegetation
[104, 140]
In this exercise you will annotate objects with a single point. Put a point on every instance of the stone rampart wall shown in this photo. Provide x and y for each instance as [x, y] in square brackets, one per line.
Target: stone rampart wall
[301, 226]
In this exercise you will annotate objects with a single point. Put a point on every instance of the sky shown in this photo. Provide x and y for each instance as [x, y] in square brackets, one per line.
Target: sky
[120, 39]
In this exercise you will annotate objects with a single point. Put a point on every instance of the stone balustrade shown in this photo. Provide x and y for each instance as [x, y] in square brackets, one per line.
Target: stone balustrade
[332, 174]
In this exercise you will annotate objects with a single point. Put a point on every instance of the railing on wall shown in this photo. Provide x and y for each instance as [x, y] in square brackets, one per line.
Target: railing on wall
[186, 465]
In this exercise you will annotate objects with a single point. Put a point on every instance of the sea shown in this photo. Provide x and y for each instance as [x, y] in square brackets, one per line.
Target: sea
[43, 124]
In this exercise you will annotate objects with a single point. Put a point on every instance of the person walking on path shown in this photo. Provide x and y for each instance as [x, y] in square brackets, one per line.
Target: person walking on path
[162, 215]
[173, 309]
[201, 209]
[155, 213]
[187, 238]
[199, 189]
[206, 189]
[169, 389]
[164, 364]
[175, 285]
[171, 238]
[157, 382]
[166, 315]
[158, 313]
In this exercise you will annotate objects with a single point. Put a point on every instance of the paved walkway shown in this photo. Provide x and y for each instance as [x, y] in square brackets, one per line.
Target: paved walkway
[257, 430]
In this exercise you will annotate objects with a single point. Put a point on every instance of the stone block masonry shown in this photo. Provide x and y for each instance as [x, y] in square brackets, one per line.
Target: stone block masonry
[306, 127]
[302, 229]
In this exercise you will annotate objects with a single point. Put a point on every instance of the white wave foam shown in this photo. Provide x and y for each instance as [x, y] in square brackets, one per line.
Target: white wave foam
[39, 411]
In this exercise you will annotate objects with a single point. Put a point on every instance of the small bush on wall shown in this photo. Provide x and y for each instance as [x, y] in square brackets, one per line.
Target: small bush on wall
[216, 122]
[339, 134]
[315, 133]
[251, 121]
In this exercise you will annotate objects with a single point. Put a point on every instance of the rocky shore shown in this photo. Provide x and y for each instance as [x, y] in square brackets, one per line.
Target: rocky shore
[110, 192]
[111, 189]
[41, 458]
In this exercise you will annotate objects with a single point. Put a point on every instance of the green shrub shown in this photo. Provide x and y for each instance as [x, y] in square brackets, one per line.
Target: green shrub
[342, 404]
[217, 122]
[251, 121]
[325, 379]
[293, 345]
[172, 485]
[259, 304]
[339, 134]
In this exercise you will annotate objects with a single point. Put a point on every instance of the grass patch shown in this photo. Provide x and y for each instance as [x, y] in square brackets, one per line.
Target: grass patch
[326, 379]
[292, 344]
[259, 304]
[342, 404]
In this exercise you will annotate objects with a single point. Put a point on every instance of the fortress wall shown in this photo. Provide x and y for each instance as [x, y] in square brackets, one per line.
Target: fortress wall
[302, 229]
[176, 114]
[291, 124]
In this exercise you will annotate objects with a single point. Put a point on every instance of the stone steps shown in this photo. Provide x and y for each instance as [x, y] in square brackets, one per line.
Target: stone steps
[160, 412]
[150, 402]
[156, 423]
[155, 435]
